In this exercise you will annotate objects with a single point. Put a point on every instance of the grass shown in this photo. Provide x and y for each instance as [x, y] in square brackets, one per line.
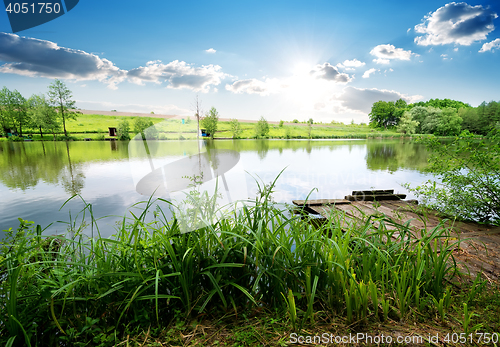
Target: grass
[253, 278]
[95, 127]
[98, 123]
[292, 130]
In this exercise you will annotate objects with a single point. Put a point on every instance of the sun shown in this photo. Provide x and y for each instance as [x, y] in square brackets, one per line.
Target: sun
[305, 89]
[301, 69]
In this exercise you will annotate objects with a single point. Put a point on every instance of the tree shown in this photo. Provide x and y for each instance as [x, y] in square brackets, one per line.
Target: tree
[468, 173]
[450, 123]
[401, 104]
[382, 114]
[262, 128]
[13, 110]
[198, 111]
[42, 115]
[235, 128]
[407, 125]
[5, 120]
[282, 123]
[123, 130]
[146, 128]
[17, 110]
[400, 107]
[309, 127]
[61, 97]
[387, 113]
[440, 122]
[489, 115]
[438, 103]
[209, 122]
[419, 114]
[470, 120]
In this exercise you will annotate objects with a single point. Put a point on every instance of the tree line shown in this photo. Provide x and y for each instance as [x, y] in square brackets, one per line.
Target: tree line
[442, 117]
[43, 112]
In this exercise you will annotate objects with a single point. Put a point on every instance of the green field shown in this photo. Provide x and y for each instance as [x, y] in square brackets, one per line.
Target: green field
[95, 127]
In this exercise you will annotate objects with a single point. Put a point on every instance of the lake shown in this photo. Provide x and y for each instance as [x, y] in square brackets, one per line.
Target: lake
[37, 178]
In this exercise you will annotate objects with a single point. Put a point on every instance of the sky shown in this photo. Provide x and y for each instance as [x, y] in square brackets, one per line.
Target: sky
[281, 60]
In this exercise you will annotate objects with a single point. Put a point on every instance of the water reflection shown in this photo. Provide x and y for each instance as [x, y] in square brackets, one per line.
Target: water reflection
[37, 177]
[24, 165]
[394, 156]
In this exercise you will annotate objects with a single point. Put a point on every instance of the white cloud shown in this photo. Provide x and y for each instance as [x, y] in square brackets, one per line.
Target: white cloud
[305, 80]
[457, 23]
[445, 57]
[369, 72]
[386, 53]
[178, 75]
[490, 46]
[40, 58]
[361, 100]
[382, 61]
[351, 64]
[210, 50]
[330, 73]
[255, 86]
[33, 57]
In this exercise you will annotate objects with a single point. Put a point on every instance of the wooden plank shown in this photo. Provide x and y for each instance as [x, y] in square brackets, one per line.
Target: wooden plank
[304, 209]
[369, 211]
[434, 219]
[372, 192]
[479, 250]
[320, 202]
[336, 216]
[375, 197]
[403, 206]
[357, 213]
[399, 216]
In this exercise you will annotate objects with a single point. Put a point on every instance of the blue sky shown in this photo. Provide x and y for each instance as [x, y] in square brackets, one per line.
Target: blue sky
[326, 60]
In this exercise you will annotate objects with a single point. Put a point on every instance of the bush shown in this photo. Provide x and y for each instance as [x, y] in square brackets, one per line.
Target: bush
[235, 128]
[210, 121]
[146, 128]
[261, 128]
[123, 130]
[468, 172]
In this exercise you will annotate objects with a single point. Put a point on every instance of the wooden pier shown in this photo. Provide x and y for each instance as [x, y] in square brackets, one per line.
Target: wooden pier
[478, 251]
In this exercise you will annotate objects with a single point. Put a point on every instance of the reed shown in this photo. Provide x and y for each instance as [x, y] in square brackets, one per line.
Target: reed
[263, 256]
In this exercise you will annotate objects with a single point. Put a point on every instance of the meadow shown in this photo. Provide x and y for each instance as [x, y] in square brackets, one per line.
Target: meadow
[95, 127]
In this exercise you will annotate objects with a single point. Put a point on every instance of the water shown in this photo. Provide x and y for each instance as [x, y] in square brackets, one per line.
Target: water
[37, 178]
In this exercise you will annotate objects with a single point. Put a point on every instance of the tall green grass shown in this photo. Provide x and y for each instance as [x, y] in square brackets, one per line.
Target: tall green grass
[78, 288]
